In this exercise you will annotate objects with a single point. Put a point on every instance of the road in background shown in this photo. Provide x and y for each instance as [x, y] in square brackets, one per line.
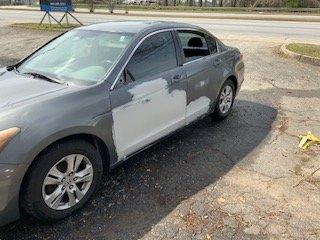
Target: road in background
[274, 31]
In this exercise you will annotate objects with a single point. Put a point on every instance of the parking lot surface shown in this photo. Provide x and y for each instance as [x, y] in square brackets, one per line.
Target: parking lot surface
[243, 178]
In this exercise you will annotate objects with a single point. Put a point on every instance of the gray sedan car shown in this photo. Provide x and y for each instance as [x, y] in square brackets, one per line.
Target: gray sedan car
[94, 96]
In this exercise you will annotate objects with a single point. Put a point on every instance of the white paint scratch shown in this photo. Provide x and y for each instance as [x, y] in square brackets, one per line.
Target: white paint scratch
[197, 108]
[147, 117]
[153, 113]
[202, 83]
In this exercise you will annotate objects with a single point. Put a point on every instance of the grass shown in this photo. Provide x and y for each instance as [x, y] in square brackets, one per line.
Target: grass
[310, 50]
[46, 26]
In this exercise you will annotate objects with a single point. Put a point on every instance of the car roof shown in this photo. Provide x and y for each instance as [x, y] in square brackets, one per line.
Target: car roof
[135, 26]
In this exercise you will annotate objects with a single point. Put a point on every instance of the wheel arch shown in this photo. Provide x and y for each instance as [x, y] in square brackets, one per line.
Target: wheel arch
[234, 80]
[93, 139]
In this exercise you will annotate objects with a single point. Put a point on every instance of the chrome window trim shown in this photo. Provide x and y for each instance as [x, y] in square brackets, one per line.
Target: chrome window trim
[198, 59]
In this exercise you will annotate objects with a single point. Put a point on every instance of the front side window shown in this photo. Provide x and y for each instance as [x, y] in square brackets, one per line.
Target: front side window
[194, 45]
[155, 55]
[81, 56]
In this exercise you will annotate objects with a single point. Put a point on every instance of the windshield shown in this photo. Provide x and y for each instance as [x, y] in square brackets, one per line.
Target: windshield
[80, 56]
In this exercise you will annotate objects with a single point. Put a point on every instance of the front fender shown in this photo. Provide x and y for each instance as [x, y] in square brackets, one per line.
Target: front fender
[23, 151]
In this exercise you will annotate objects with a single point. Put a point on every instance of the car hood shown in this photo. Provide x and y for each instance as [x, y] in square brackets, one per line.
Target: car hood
[16, 88]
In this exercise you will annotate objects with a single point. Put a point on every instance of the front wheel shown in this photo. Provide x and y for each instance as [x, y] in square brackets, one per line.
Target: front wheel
[224, 101]
[62, 180]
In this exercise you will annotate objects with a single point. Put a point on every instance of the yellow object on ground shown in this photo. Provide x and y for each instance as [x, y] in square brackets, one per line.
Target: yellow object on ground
[307, 140]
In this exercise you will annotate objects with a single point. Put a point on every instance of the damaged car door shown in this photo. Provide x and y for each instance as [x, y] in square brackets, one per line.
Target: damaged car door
[149, 100]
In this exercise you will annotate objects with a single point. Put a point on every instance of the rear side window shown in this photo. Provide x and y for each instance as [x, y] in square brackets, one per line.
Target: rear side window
[221, 46]
[194, 45]
[212, 43]
[155, 55]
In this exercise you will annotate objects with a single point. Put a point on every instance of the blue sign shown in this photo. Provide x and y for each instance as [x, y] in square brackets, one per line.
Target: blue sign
[56, 5]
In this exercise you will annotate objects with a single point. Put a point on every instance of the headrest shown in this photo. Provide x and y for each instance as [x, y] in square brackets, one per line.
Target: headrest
[195, 42]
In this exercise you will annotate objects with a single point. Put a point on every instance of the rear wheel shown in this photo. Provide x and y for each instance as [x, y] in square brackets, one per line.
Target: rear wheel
[225, 101]
[62, 180]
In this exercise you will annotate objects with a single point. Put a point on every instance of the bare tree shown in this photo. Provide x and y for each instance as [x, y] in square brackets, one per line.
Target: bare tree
[257, 2]
[233, 3]
[91, 6]
[316, 3]
[111, 5]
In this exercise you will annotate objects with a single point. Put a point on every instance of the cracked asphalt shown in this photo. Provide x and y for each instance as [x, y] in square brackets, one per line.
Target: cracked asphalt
[243, 178]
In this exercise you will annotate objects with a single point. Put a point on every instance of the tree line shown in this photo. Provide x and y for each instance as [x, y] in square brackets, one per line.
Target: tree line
[205, 3]
[245, 3]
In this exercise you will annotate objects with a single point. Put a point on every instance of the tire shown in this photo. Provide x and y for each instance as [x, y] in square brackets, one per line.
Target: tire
[76, 154]
[218, 113]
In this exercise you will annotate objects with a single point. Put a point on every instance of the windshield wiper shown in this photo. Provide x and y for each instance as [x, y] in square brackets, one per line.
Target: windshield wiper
[11, 67]
[49, 79]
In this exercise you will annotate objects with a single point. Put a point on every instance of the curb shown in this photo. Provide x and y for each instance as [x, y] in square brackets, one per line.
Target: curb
[301, 58]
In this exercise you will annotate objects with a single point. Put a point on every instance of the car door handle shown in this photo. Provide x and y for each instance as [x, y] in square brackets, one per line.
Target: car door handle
[146, 100]
[177, 77]
[217, 62]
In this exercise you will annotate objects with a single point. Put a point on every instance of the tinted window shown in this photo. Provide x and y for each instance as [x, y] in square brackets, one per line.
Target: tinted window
[155, 55]
[194, 45]
[212, 44]
[221, 46]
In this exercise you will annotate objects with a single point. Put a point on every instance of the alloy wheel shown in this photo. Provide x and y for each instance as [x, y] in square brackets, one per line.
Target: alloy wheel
[226, 99]
[67, 182]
